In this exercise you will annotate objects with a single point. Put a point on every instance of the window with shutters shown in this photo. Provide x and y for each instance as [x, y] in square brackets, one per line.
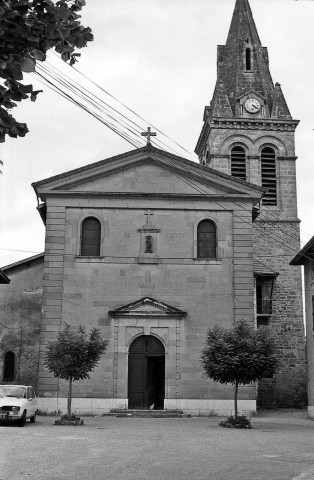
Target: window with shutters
[238, 163]
[268, 173]
[264, 298]
[206, 239]
[264, 292]
[90, 237]
[9, 367]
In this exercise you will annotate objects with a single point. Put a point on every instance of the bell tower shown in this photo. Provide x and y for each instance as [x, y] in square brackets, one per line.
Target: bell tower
[248, 130]
[248, 133]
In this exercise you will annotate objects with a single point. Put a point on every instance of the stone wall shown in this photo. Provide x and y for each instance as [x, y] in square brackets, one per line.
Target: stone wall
[274, 245]
[82, 290]
[276, 241]
[20, 319]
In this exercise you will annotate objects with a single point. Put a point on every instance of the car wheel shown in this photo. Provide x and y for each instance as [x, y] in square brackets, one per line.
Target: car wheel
[23, 419]
[33, 418]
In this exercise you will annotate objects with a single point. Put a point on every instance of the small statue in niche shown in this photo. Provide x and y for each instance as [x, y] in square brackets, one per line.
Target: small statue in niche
[149, 244]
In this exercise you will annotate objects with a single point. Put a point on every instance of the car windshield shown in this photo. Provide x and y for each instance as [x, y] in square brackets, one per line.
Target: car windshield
[12, 391]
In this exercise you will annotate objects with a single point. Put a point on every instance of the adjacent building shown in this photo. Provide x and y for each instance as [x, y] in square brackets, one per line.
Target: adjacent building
[20, 320]
[306, 257]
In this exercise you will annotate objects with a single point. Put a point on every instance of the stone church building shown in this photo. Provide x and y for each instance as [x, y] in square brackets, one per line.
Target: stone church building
[154, 249]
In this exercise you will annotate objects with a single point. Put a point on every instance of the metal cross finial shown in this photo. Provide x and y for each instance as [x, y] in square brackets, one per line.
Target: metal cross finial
[148, 134]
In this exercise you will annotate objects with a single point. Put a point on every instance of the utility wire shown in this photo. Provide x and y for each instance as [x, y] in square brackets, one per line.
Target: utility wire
[271, 235]
[123, 135]
[77, 91]
[95, 102]
[265, 215]
[79, 104]
[130, 110]
[11, 328]
[198, 188]
[127, 257]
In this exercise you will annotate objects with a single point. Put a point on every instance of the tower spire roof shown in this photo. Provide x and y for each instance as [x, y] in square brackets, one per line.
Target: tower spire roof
[242, 24]
[244, 92]
[220, 105]
[243, 62]
[280, 108]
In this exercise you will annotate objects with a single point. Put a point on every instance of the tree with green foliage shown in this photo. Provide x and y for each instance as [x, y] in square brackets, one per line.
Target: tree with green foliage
[239, 355]
[28, 29]
[73, 355]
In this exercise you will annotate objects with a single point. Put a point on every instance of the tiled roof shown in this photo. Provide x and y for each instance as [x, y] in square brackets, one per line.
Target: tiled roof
[307, 252]
[3, 278]
[24, 261]
[262, 270]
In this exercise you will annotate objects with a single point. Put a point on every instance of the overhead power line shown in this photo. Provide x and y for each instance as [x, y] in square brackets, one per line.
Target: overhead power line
[265, 214]
[92, 100]
[198, 188]
[119, 123]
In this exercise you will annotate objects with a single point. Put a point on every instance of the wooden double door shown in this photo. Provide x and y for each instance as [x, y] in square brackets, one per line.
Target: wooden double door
[146, 378]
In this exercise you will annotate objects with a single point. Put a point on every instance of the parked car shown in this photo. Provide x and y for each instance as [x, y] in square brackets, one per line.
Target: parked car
[17, 404]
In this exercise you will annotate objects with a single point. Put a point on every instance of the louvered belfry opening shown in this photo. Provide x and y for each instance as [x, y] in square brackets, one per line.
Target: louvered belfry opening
[238, 163]
[90, 237]
[206, 239]
[269, 181]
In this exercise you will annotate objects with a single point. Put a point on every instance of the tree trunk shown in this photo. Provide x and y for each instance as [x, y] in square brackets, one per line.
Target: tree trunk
[236, 399]
[70, 396]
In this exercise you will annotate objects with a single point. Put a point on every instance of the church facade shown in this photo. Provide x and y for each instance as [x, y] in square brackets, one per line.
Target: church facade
[154, 249]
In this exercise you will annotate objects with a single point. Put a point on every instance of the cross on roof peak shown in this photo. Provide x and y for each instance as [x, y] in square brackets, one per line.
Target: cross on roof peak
[148, 134]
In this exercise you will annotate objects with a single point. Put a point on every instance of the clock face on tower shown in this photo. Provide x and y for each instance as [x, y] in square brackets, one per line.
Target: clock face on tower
[252, 105]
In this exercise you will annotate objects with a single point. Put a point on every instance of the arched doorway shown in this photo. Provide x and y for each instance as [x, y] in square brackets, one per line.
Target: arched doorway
[146, 380]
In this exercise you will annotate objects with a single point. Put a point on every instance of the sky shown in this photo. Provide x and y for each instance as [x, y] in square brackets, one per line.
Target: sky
[159, 58]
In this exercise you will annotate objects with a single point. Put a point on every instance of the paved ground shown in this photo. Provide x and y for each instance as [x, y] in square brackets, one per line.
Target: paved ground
[279, 447]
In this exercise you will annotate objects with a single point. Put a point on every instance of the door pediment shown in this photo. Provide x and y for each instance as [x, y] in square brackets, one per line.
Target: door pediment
[147, 307]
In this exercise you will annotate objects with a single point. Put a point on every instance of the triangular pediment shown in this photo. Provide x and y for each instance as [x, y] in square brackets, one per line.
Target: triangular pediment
[146, 171]
[147, 307]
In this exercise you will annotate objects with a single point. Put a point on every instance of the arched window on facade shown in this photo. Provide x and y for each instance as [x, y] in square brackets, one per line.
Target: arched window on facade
[238, 163]
[248, 59]
[90, 237]
[206, 239]
[268, 172]
[9, 367]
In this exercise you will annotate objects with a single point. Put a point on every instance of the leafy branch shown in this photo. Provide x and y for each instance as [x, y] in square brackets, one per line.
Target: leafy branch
[28, 29]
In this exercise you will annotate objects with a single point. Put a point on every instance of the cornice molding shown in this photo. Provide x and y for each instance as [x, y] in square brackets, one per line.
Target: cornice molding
[147, 315]
[251, 123]
[291, 158]
[242, 124]
[134, 310]
[122, 196]
[260, 220]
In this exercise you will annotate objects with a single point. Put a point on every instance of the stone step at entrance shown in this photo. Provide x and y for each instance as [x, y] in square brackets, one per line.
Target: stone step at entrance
[148, 413]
